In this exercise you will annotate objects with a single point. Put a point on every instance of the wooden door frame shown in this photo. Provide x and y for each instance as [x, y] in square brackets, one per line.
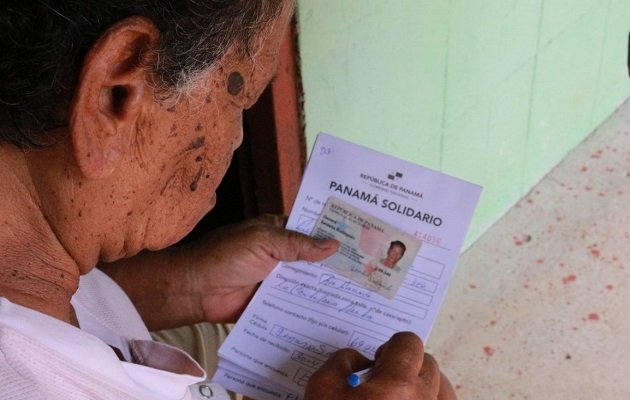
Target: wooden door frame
[274, 142]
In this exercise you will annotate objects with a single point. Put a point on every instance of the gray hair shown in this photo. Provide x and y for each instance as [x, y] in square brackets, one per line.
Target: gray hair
[44, 44]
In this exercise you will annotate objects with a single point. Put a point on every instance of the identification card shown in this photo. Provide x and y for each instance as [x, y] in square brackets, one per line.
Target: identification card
[373, 253]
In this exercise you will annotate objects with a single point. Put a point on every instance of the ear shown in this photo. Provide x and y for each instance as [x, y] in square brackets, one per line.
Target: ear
[110, 95]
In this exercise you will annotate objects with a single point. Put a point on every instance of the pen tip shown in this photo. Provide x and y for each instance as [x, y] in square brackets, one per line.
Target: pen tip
[353, 380]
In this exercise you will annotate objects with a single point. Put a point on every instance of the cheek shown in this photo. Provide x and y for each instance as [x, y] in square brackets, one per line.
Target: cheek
[205, 156]
[220, 149]
[214, 167]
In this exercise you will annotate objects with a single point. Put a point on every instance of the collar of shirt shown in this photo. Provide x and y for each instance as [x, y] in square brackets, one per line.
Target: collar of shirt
[61, 345]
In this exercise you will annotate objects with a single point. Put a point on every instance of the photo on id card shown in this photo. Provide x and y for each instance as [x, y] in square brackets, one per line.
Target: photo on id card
[372, 253]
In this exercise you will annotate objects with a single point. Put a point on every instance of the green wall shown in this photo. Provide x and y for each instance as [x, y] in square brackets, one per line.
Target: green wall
[496, 92]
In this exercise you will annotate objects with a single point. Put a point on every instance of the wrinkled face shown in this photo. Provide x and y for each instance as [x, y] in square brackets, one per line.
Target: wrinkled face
[184, 148]
[394, 254]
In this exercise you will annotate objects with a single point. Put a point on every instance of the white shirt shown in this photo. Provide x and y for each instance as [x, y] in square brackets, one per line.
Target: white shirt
[44, 358]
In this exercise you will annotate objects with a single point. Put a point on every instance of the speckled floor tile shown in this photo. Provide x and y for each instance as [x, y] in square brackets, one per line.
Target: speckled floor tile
[539, 307]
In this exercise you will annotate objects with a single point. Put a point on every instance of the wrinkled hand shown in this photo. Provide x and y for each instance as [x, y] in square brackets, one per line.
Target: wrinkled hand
[226, 265]
[401, 371]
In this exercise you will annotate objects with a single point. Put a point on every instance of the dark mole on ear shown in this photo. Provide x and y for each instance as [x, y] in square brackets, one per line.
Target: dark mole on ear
[171, 109]
[197, 143]
[198, 127]
[235, 83]
[199, 159]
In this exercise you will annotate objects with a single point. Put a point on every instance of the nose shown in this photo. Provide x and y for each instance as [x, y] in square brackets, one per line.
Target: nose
[238, 139]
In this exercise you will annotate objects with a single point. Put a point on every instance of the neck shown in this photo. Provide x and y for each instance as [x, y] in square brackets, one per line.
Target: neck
[35, 270]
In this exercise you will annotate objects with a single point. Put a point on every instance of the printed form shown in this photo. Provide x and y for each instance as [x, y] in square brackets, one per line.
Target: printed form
[303, 312]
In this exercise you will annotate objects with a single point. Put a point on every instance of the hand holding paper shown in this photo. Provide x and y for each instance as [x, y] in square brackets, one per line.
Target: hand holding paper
[240, 257]
[304, 312]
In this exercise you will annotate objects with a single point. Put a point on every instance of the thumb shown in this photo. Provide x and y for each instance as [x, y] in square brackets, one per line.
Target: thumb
[293, 246]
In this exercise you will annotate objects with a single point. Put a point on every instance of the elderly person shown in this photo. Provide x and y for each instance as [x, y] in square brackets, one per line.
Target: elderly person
[117, 122]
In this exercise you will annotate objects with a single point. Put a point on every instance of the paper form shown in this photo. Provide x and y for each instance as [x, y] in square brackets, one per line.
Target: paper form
[303, 312]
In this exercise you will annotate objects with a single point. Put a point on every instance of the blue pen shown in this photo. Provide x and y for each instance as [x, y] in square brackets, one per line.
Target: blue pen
[357, 378]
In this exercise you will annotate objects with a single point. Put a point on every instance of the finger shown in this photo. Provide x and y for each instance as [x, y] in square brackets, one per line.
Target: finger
[292, 246]
[446, 389]
[400, 359]
[334, 372]
[429, 376]
[346, 361]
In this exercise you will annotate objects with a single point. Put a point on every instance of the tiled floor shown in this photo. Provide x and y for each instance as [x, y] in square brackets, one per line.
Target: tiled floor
[539, 307]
